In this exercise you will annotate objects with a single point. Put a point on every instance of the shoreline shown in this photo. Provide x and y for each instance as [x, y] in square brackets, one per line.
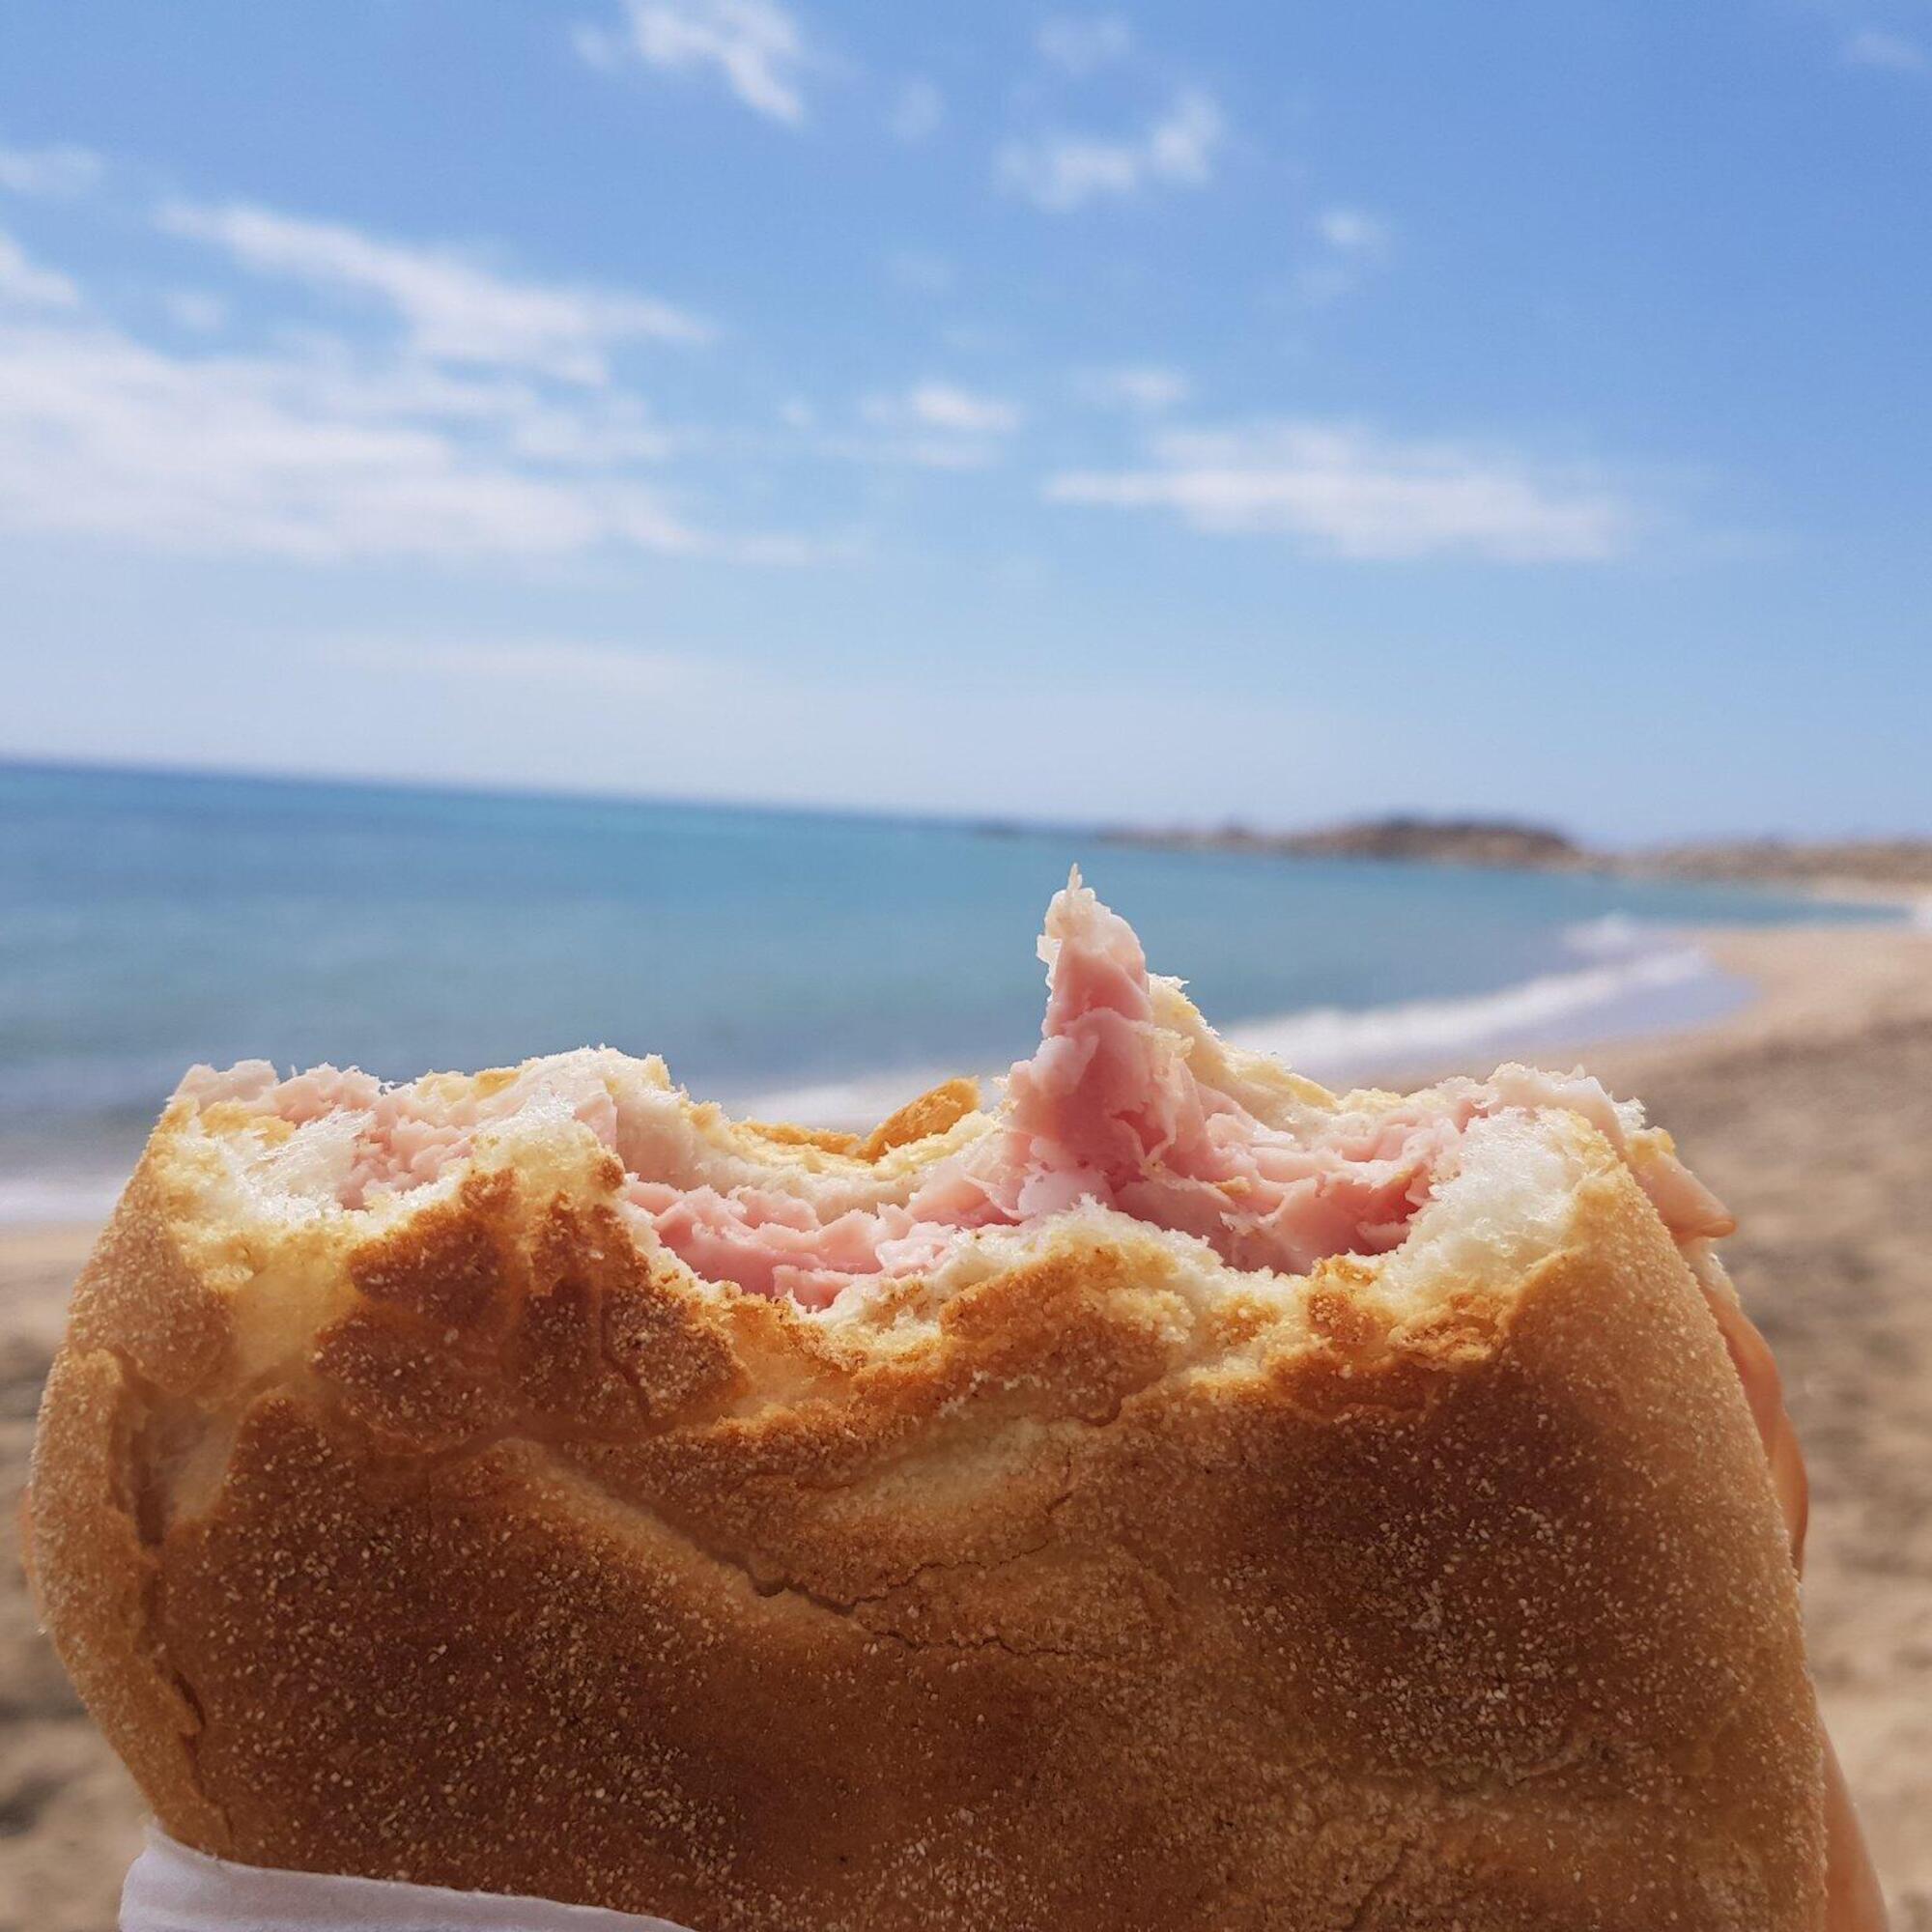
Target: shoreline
[1808, 1107]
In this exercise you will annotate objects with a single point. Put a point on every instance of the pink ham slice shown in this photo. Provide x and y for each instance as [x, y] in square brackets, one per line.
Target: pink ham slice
[1108, 1111]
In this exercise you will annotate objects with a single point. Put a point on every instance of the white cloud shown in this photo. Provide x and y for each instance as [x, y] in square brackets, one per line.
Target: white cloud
[1354, 244]
[933, 425]
[26, 285]
[1353, 231]
[454, 310]
[1080, 46]
[754, 47]
[942, 405]
[917, 114]
[315, 455]
[1060, 172]
[100, 435]
[490, 431]
[1873, 46]
[66, 170]
[1355, 494]
[1180, 147]
[1135, 386]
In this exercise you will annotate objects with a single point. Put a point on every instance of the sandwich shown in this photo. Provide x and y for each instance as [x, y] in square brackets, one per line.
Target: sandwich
[1177, 1496]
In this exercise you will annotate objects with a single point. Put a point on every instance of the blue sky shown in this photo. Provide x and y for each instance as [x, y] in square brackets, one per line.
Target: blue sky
[1271, 411]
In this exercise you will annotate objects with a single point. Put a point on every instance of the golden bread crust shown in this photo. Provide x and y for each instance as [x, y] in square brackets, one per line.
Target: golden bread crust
[1075, 1603]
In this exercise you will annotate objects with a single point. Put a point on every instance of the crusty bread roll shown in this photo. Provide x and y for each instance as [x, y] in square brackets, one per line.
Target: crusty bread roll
[1029, 1533]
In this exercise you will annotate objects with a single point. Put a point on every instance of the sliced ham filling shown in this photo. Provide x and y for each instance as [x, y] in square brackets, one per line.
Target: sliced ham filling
[1107, 1112]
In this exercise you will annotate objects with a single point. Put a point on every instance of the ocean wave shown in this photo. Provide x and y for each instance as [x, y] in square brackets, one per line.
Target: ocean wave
[1330, 1040]
[57, 1200]
[1616, 935]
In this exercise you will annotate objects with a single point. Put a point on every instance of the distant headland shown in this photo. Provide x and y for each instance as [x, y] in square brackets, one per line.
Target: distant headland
[1882, 865]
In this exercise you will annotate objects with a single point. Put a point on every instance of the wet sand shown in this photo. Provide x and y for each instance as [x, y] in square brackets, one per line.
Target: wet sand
[1810, 1111]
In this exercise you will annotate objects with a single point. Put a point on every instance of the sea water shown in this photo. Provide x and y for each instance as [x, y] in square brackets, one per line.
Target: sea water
[813, 964]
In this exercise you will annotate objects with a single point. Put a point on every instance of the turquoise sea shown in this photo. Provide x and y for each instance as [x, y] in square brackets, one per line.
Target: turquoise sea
[818, 962]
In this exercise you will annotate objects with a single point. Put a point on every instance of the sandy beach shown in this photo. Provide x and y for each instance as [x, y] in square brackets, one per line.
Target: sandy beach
[1810, 1111]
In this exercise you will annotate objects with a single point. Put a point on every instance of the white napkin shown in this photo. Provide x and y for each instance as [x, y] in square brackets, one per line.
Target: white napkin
[171, 1889]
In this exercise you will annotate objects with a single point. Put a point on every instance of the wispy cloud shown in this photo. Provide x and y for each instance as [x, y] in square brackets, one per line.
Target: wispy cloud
[934, 425]
[103, 435]
[1353, 231]
[323, 453]
[1874, 47]
[1351, 243]
[944, 406]
[453, 309]
[1079, 45]
[54, 172]
[1353, 494]
[753, 46]
[1132, 386]
[1060, 172]
[25, 284]
[917, 114]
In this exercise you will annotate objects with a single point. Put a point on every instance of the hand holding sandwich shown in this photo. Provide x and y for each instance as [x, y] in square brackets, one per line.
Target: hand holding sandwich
[1857, 1904]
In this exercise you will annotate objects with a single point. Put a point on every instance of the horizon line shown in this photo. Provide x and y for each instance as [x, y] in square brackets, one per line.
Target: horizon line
[560, 793]
[990, 823]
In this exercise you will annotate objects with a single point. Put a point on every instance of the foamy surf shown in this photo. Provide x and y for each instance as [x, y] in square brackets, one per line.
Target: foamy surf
[58, 1199]
[1591, 1002]
[1616, 935]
